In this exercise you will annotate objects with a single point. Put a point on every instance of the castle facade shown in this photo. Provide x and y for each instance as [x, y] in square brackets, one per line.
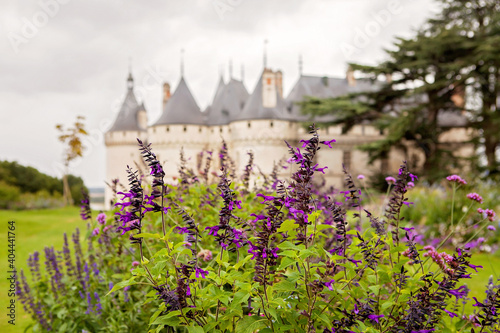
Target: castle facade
[259, 121]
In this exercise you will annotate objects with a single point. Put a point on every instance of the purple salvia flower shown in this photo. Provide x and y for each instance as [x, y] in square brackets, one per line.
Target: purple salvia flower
[375, 317]
[355, 262]
[452, 314]
[98, 306]
[329, 285]
[85, 212]
[182, 230]
[265, 197]
[201, 272]
[491, 228]
[474, 267]
[89, 303]
[67, 257]
[328, 143]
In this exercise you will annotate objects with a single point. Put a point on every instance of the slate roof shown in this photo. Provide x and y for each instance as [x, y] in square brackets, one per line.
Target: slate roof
[322, 87]
[228, 102]
[181, 108]
[254, 107]
[126, 120]
[452, 119]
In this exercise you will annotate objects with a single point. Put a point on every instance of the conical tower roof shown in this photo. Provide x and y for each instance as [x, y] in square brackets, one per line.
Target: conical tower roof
[254, 107]
[181, 108]
[127, 116]
[228, 103]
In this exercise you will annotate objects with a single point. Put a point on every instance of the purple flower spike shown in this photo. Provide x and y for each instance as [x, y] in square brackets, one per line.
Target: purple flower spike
[491, 228]
[361, 177]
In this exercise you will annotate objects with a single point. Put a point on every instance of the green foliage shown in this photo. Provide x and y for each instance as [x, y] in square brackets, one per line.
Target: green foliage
[24, 187]
[453, 53]
[74, 306]
[8, 194]
[432, 213]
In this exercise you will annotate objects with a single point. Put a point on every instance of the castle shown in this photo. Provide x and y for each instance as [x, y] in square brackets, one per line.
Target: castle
[259, 121]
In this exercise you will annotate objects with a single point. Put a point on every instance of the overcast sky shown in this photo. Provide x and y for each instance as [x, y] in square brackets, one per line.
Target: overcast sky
[63, 58]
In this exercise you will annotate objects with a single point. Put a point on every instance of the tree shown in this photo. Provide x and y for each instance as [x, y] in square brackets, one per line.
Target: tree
[428, 72]
[71, 137]
[478, 22]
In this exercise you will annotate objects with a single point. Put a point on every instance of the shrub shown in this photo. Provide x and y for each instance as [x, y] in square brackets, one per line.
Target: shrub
[281, 257]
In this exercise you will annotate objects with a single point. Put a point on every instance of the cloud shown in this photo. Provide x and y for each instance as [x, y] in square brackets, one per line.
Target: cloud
[77, 61]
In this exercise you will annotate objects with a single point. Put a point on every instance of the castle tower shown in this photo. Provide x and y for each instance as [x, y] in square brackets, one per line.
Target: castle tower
[181, 125]
[121, 139]
[263, 125]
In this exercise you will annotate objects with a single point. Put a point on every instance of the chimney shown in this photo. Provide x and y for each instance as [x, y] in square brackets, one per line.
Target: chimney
[458, 97]
[279, 82]
[271, 86]
[351, 81]
[166, 93]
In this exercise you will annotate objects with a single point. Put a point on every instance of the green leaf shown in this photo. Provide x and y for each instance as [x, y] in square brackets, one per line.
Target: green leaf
[285, 285]
[285, 263]
[148, 235]
[169, 319]
[375, 289]
[387, 304]
[242, 262]
[195, 329]
[288, 225]
[250, 324]
[122, 284]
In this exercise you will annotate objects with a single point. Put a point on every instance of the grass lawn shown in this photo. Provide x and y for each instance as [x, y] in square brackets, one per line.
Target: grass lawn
[34, 230]
[39, 228]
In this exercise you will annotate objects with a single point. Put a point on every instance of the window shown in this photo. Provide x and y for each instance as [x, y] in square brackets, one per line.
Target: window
[168, 129]
[271, 124]
[185, 129]
[249, 125]
[220, 129]
[199, 129]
